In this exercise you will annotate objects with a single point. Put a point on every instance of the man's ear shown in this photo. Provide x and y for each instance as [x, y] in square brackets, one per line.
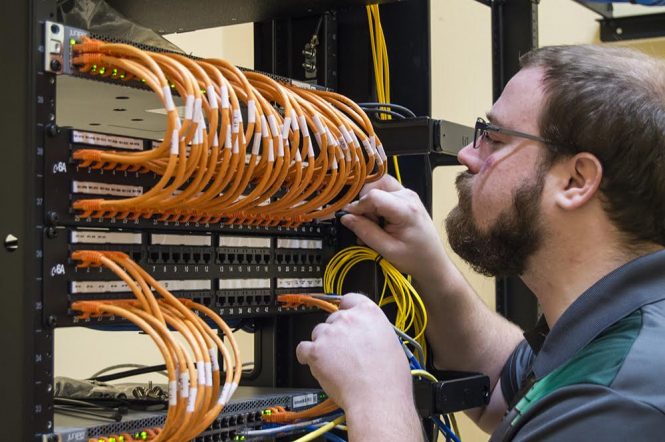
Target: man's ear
[583, 173]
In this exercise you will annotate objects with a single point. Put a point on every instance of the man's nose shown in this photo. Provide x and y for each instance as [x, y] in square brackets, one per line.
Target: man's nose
[470, 158]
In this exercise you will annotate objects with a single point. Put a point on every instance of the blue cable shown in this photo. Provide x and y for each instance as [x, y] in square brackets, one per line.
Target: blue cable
[444, 429]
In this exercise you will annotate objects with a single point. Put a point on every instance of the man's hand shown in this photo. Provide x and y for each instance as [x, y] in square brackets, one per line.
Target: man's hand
[356, 356]
[408, 238]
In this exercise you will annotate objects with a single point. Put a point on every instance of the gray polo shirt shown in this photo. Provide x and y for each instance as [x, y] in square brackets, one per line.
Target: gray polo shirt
[600, 372]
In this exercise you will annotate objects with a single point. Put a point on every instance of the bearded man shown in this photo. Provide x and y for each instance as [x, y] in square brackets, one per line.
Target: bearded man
[565, 188]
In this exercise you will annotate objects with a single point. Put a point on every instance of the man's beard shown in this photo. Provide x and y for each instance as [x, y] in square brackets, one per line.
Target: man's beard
[514, 237]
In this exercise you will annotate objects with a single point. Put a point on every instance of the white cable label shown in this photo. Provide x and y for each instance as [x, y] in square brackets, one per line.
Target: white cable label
[294, 120]
[168, 99]
[251, 111]
[368, 148]
[236, 149]
[215, 140]
[214, 358]
[280, 147]
[320, 130]
[225, 96]
[175, 142]
[200, 372]
[273, 125]
[298, 157]
[264, 127]
[189, 107]
[198, 110]
[257, 144]
[334, 164]
[173, 393]
[212, 97]
[227, 140]
[271, 151]
[222, 395]
[184, 384]
[310, 149]
[345, 134]
[318, 139]
[356, 142]
[191, 402]
[286, 127]
[237, 119]
[382, 152]
[303, 126]
[208, 368]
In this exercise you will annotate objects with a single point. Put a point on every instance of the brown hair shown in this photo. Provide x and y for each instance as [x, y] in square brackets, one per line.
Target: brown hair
[610, 101]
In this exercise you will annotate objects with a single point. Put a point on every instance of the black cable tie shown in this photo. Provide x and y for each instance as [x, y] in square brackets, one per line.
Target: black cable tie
[378, 259]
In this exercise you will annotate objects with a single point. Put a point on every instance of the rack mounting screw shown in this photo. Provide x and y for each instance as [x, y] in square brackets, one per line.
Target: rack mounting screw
[51, 232]
[52, 130]
[11, 243]
[52, 321]
[56, 65]
[53, 218]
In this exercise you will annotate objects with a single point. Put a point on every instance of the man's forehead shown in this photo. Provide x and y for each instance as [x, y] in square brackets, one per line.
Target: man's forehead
[521, 101]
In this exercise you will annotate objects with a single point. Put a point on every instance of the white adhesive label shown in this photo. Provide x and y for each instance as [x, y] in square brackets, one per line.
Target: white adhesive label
[320, 130]
[280, 148]
[251, 111]
[225, 96]
[208, 368]
[215, 140]
[184, 384]
[191, 402]
[237, 119]
[382, 152]
[227, 142]
[356, 142]
[212, 97]
[173, 393]
[264, 127]
[318, 139]
[189, 107]
[298, 157]
[334, 164]
[273, 125]
[168, 99]
[223, 394]
[303, 126]
[214, 358]
[346, 134]
[257, 144]
[331, 140]
[236, 148]
[271, 151]
[310, 149]
[175, 142]
[294, 120]
[286, 127]
[200, 372]
[198, 111]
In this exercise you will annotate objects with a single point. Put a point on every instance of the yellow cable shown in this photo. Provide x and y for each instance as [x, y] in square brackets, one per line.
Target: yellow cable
[324, 429]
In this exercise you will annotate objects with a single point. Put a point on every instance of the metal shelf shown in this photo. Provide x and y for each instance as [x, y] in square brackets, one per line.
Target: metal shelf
[169, 16]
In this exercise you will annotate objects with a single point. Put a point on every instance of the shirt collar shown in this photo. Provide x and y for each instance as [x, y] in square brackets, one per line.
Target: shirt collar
[616, 295]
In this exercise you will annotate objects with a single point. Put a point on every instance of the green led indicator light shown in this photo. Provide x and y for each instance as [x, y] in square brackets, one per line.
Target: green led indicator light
[112, 439]
[172, 86]
[121, 439]
[72, 41]
[102, 70]
[94, 67]
[142, 80]
[122, 76]
[115, 72]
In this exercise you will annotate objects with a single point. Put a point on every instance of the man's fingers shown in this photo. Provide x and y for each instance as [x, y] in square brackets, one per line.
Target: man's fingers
[368, 232]
[332, 317]
[351, 300]
[304, 352]
[387, 183]
[378, 203]
[318, 330]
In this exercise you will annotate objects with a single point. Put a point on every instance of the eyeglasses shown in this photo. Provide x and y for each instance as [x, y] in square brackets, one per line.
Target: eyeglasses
[482, 127]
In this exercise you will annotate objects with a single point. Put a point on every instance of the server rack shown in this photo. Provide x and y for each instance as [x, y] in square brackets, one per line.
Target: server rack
[28, 229]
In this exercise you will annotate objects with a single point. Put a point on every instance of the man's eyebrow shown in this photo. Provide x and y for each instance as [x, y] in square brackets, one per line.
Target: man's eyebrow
[492, 118]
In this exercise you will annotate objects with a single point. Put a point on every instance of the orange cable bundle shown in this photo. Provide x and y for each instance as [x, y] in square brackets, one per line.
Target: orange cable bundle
[297, 156]
[196, 393]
